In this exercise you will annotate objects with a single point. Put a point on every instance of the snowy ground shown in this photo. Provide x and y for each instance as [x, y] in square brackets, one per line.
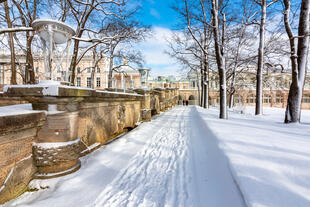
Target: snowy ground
[167, 162]
[188, 157]
[270, 160]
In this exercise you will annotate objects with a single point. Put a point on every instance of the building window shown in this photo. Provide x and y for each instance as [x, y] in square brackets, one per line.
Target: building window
[79, 70]
[88, 82]
[98, 82]
[88, 70]
[279, 98]
[58, 70]
[239, 79]
[251, 98]
[58, 79]
[306, 98]
[98, 70]
[78, 81]
[37, 69]
[267, 98]
[238, 99]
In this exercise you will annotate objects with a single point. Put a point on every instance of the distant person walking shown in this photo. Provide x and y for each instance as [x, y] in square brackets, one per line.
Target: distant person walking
[186, 102]
[183, 102]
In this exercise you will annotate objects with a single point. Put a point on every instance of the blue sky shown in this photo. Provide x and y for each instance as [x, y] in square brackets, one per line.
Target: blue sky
[162, 19]
[158, 13]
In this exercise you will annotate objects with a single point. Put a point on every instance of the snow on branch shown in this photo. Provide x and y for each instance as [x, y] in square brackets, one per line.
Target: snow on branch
[16, 29]
[101, 2]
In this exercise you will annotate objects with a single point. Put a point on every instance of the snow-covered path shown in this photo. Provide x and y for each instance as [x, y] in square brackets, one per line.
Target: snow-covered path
[172, 161]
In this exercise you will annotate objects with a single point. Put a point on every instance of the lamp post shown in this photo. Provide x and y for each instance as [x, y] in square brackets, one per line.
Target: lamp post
[53, 33]
[144, 74]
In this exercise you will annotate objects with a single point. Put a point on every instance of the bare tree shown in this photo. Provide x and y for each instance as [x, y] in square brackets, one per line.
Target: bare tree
[27, 14]
[240, 39]
[82, 13]
[188, 53]
[203, 43]
[263, 4]
[219, 43]
[299, 46]
[123, 33]
[11, 43]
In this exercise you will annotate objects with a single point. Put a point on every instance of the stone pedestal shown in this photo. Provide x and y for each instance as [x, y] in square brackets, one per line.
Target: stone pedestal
[56, 159]
[155, 103]
[56, 148]
[145, 104]
[162, 98]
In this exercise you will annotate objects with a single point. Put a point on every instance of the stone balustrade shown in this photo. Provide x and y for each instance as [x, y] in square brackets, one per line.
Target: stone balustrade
[66, 123]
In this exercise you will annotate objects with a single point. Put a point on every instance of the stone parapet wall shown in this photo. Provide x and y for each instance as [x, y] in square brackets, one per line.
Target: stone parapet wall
[7, 101]
[48, 144]
[17, 134]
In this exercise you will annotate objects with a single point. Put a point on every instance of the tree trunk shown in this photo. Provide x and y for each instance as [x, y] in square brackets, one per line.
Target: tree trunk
[110, 84]
[29, 62]
[11, 44]
[232, 89]
[198, 88]
[93, 84]
[260, 63]
[111, 65]
[74, 60]
[206, 81]
[202, 85]
[220, 60]
[298, 60]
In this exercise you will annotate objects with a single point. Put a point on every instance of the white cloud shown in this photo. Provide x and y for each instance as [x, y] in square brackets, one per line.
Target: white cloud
[155, 13]
[153, 50]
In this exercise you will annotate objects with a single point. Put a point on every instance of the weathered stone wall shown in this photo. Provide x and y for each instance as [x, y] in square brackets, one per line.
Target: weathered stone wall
[48, 144]
[100, 122]
[17, 133]
[6, 101]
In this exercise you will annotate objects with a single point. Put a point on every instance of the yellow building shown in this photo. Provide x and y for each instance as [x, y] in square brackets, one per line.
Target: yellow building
[275, 88]
[126, 77]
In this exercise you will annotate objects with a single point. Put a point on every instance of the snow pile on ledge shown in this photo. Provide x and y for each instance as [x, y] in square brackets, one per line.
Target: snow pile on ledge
[16, 110]
[270, 160]
[48, 145]
[50, 88]
[121, 93]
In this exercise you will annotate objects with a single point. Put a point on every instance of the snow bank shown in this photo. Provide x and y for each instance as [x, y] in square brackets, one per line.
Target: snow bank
[50, 88]
[48, 145]
[120, 93]
[16, 109]
[270, 160]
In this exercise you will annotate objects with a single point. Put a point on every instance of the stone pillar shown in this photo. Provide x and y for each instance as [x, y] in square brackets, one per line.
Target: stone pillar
[145, 104]
[122, 81]
[162, 98]
[155, 103]
[131, 82]
[106, 80]
[56, 148]
[168, 98]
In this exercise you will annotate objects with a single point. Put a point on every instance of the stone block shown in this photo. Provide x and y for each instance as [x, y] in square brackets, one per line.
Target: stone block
[17, 179]
[146, 114]
[59, 127]
[55, 158]
[21, 121]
